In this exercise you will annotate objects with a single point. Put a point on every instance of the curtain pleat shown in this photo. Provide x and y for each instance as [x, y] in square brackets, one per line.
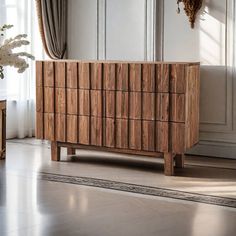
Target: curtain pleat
[52, 18]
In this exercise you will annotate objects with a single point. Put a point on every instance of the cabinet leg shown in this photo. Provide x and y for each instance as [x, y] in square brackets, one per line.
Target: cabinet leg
[55, 151]
[179, 160]
[70, 151]
[168, 164]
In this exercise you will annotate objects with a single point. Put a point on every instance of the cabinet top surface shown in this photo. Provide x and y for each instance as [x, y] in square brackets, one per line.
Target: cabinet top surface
[124, 62]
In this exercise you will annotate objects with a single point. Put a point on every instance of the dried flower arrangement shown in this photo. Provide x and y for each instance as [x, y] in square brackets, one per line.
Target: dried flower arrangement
[8, 57]
[191, 8]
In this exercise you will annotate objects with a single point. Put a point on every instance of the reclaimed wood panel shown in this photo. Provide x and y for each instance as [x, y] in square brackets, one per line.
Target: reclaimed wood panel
[109, 137]
[110, 104]
[49, 104]
[39, 73]
[109, 76]
[96, 103]
[177, 107]
[39, 99]
[162, 78]
[72, 101]
[135, 77]
[72, 75]
[148, 78]
[96, 76]
[72, 128]
[135, 105]
[122, 104]
[148, 135]
[60, 100]
[177, 78]
[60, 75]
[122, 76]
[96, 131]
[135, 134]
[60, 127]
[48, 76]
[162, 107]
[39, 131]
[84, 102]
[49, 126]
[84, 130]
[177, 137]
[84, 75]
[162, 136]
[148, 107]
[122, 139]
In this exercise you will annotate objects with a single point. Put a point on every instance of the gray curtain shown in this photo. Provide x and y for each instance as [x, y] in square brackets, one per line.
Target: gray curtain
[52, 17]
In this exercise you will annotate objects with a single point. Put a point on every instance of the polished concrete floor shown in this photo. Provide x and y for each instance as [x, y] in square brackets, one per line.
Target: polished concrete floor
[29, 206]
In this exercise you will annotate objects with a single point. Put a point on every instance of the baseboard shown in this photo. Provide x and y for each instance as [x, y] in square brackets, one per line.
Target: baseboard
[214, 149]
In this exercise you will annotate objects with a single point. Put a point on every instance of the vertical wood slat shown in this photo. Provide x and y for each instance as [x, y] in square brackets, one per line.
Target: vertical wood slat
[72, 128]
[49, 104]
[109, 132]
[96, 103]
[72, 75]
[177, 108]
[60, 78]
[148, 78]
[109, 76]
[84, 130]
[162, 78]
[122, 77]
[96, 76]
[2, 129]
[60, 100]
[48, 73]
[84, 75]
[135, 99]
[122, 133]
[39, 73]
[177, 78]
[148, 135]
[72, 101]
[148, 107]
[96, 131]
[60, 127]
[122, 104]
[84, 102]
[162, 106]
[135, 133]
[135, 81]
[49, 126]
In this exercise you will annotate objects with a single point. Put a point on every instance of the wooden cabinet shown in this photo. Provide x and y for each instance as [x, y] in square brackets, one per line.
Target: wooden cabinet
[130, 107]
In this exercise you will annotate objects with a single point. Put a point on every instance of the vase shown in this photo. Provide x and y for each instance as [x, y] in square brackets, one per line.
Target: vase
[2, 129]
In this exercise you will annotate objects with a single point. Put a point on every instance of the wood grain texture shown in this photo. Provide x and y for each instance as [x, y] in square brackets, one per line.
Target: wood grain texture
[84, 130]
[96, 76]
[60, 127]
[135, 76]
[109, 76]
[48, 74]
[60, 100]
[2, 129]
[148, 107]
[72, 75]
[109, 137]
[84, 102]
[135, 111]
[137, 107]
[122, 104]
[96, 103]
[84, 75]
[122, 76]
[122, 133]
[39, 73]
[177, 78]
[162, 78]
[148, 78]
[55, 151]
[72, 128]
[60, 75]
[49, 102]
[72, 101]
[135, 134]
[49, 126]
[168, 164]
[96, 131]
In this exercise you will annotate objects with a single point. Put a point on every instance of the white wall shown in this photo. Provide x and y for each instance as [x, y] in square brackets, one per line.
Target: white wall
[126, 29]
